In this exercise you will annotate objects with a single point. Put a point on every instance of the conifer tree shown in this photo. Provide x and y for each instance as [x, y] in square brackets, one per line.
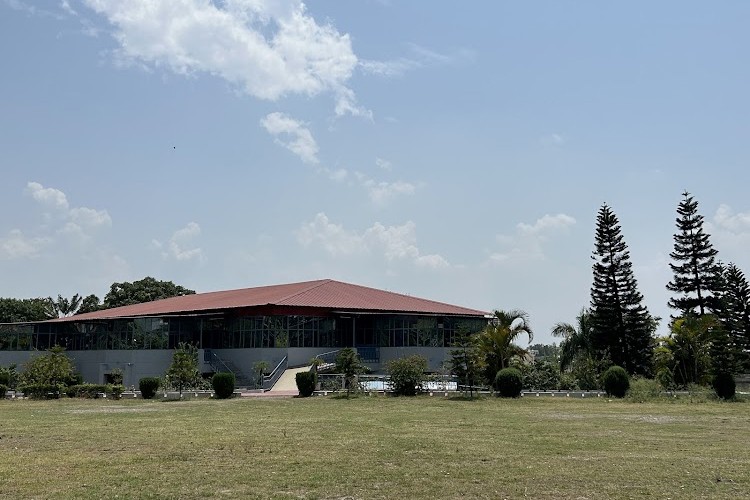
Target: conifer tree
[621, 324]
[697, 277]
[736, 315]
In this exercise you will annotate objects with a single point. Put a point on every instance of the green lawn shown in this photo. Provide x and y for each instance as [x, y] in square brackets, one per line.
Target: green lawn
[374, 447]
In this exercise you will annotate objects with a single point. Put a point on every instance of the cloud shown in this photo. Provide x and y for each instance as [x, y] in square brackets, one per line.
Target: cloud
[726, 219]
[394, 243]
[382, 192]
[180, 245]
[18, 246]
[383, 164]
[47, 196]
[293, 135]
[268, 49]
[730, 234]
[418, 57]
[552, 140]
[528, 241]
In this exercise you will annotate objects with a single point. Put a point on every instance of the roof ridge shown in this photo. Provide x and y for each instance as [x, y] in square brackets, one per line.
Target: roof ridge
[313, 285]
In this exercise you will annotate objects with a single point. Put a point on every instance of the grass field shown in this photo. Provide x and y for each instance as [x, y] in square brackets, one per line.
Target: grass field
[374, 447]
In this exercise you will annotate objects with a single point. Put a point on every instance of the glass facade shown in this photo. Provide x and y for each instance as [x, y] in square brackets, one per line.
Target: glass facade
[227, 332]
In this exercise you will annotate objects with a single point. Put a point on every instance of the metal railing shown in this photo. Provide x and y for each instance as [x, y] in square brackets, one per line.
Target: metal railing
[273, 377]
[215, 362]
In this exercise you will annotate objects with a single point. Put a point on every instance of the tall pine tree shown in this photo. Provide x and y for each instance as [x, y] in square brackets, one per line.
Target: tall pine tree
[621, 324]
[735, 316]
[697, 277]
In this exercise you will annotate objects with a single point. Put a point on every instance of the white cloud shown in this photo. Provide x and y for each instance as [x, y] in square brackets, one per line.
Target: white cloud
[90, 217]
[18, 246]
[730, 233]
[419, 57]
[181, 246]
[527, 243]
[394, 243]
[726, 219]
[293, 135]
[384, 164]
[268, 48]
[382, 192]
[47, 196]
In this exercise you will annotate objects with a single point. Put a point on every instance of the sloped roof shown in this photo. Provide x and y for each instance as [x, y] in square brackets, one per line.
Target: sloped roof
[326, 294]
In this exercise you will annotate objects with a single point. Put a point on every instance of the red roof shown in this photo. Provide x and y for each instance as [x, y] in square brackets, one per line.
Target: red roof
[324, 294]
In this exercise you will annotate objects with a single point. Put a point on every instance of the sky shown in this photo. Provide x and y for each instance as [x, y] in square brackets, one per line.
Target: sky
[453, 152]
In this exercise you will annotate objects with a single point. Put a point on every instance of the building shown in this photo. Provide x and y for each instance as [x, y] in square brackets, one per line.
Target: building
[281, 325]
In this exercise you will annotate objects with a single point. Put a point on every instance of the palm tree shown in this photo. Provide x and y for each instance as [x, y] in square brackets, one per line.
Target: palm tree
[576, 339]
[496, 341]
[690, 343]
[64, 307]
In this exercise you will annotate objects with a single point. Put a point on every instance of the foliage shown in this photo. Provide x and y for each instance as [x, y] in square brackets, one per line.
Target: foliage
[223, 384]
[260, 368]
[509, 382]
[89, 391]
[644, 389]
[146, 290]
[697, 279]
[349, 365]
[26, 310]
[465, 362]
[621, 324]
[542, 375]
[724, 385]
[53, 368]
[545, 351]
[9, 376]
[306, 383]
[735, 316]
[148, 386]
[183, 372]
[90, 303]
[407, 374]
[64, 307]
[42, 391]
[577, 339]
[116, 376]
[3, 390]
[688, 349]
[616, 381]
[496, 342]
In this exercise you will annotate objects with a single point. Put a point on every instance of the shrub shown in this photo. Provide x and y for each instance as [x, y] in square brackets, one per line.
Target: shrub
[148, 387]
[223, 384]
[89, 391]
[407, 374]
[616, 381]
[509, 382]
[644, 389]
[306, 383]
[42, 391]
[724, 385]
[116, 390]
[4, 378]
[3, 390]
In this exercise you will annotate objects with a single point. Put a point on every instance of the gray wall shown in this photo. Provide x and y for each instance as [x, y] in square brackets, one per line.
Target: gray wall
[435, 355]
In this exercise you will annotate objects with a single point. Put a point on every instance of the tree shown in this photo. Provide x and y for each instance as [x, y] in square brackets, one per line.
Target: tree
[621, 325]
[735, 315]
[689, 344]
[496, 342]
[54, 368]
[260, 368]
[349, 364]
[577, 340]
[406, 374]
[697, 277]
[65, 307]
[183, 372]
[464, 361]
[26, 310]
[90, 303]
[145, 290]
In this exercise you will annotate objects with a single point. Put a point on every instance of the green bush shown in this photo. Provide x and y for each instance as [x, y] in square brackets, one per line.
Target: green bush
[306, 383]
[88, 391]
[509, 382]
[644, 389]
[42, 391]
[3, 390]
[407, 374]
[724, 385]
[116, 390]
[616, 381]
[4, 378]
[148, 387]
[223, 384]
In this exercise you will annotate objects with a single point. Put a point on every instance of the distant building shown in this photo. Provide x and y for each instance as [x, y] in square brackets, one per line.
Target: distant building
[285, 324]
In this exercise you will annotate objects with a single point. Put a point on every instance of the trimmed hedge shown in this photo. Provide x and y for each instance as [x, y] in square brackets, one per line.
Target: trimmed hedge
[724, 385]
[509, 382]
[42, 391]
[306, 383]
[616, 381]
[148, 387]
[88, 391]
[223, 384]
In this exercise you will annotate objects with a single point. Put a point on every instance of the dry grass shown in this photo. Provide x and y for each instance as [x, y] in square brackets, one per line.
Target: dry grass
[374, 448]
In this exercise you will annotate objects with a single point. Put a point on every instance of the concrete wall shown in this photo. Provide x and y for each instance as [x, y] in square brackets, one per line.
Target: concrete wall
[435, 355]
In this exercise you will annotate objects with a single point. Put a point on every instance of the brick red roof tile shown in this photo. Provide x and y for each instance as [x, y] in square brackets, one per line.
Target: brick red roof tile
[325, 294]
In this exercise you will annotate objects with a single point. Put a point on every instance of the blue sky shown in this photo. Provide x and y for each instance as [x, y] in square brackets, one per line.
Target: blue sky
[453, 152]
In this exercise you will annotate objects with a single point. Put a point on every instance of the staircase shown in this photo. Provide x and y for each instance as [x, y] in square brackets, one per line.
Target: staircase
[224, 365]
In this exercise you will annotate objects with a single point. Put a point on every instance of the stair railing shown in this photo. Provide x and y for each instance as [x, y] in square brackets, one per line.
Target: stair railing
[215, 362]
[273, 377]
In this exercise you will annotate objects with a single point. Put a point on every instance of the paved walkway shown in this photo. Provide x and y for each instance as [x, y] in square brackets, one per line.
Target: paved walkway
[288, 380]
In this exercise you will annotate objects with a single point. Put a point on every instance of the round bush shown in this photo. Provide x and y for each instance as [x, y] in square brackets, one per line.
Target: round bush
[223, 384]
[616, 381]
[724, 385]
[509, 382]
[148, 387]
[306, 383]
